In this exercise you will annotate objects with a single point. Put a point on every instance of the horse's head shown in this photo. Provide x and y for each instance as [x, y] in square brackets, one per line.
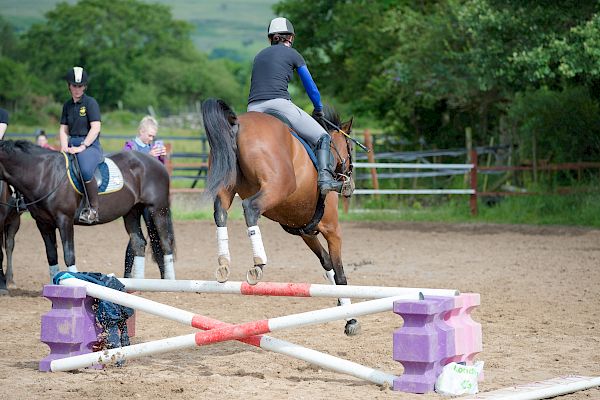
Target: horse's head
[342, 149]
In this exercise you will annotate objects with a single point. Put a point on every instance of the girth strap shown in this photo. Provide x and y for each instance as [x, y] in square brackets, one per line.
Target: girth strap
[309, 229]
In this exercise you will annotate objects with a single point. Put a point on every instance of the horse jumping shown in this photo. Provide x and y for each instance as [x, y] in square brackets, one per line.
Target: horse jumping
[256, 156]
[41, 176]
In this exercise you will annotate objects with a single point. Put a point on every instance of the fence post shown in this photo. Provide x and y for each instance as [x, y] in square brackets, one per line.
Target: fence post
[371, 158]
[168, 163]
[473, 197]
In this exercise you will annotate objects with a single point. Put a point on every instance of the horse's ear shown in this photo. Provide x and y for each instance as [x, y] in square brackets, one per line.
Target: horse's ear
[347, 126]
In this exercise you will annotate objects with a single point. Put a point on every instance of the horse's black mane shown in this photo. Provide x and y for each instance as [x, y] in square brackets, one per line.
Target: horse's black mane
[332, 116]
[10, 146]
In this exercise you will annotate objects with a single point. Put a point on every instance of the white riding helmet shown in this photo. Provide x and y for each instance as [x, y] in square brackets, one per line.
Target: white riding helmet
[280, 25]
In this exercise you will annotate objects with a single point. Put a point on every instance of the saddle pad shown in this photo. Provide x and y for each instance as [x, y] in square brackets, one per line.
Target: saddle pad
[309, 149]
[108, 176]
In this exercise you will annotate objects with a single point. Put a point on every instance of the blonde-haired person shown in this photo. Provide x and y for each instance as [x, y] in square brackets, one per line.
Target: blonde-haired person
[144, 141]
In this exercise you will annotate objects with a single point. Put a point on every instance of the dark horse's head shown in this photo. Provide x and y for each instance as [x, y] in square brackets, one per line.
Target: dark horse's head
[342, 147]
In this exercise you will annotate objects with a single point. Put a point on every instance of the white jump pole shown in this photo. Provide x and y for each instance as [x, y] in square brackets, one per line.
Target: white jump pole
[265, 342]
[278, 289]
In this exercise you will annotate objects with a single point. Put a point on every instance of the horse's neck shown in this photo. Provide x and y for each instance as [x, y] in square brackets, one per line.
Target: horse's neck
[27, 173]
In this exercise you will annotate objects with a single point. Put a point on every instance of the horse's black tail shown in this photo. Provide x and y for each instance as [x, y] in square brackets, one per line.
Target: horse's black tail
[221, 126]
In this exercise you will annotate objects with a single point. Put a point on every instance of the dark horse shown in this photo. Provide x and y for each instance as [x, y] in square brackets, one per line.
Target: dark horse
[256, 156]
[10, 221]
[41, 176]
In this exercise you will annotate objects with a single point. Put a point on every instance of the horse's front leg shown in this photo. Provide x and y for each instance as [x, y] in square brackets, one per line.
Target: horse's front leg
[67, 236]
[48, 233]
[221, 205]
[332, 232]
[10, 232]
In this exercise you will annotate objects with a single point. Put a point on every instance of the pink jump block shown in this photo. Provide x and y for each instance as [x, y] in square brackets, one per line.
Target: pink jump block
[436, 331]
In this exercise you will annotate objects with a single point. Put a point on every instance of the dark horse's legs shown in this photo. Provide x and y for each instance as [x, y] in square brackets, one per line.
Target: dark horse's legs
[130, 254]
[164, 230]
[134, 255]
[48, 233]
[10, 230]
[67, 236]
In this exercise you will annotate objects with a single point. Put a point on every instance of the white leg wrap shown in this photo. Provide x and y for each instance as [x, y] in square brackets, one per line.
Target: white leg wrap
[72, 268]
[169, 267]
[223, 242]
[138, 269]
[53, 270]
[330, 275]
[258, 249]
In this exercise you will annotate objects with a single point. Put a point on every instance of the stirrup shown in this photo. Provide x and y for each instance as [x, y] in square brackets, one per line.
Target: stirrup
[21, 207]
[88, 216]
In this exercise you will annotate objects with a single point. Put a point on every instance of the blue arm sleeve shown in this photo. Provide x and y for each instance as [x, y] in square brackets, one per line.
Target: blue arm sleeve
[310, 87]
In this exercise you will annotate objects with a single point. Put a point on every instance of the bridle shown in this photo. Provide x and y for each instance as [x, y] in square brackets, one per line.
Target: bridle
[347, 167]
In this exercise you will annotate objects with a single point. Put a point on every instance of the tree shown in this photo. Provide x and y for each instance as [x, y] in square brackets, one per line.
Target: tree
[121, 43]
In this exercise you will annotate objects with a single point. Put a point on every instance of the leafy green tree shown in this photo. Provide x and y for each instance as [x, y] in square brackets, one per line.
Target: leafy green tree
[127, 46]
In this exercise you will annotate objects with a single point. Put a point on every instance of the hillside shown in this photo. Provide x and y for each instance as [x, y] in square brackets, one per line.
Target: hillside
[233, 29]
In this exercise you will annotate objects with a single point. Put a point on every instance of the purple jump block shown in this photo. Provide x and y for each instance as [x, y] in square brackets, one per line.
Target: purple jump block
[423, 343]
[69, 328]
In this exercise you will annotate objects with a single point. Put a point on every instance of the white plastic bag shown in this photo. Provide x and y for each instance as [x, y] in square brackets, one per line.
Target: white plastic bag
[457, 379]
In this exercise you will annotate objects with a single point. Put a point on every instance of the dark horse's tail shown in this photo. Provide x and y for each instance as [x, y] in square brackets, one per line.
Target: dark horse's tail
[221, 126]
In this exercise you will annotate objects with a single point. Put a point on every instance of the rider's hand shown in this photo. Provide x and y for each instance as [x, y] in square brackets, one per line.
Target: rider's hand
[319, 116]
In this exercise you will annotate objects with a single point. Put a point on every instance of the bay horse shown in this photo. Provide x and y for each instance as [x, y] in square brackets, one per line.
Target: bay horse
[10, 221]
[41, 176]
[256, 156]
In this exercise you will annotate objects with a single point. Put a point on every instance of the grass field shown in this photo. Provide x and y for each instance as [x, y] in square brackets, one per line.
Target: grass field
[234, 29]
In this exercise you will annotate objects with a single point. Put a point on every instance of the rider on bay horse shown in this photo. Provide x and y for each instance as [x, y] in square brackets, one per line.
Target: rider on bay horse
[272, 70]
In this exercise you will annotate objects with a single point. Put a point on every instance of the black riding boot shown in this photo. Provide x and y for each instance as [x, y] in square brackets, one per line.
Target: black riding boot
[90, 215]
[325, 167]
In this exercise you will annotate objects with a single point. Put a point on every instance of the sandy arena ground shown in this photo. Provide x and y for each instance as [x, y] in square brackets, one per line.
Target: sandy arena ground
[540, 292]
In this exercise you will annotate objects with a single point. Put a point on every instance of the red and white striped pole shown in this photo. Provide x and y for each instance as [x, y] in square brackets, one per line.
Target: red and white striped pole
[165, 345]
[279, 289]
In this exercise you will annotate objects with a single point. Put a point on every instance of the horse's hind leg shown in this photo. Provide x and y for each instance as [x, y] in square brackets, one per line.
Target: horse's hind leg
[10, 233]
[221, 205]
[157, 252]
[164, 229]
[136, 248]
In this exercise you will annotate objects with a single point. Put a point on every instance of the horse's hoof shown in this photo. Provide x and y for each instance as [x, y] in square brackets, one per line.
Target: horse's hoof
[254, 275]
[3, 292]
[352, 327]
[11, 285]
[222, 273]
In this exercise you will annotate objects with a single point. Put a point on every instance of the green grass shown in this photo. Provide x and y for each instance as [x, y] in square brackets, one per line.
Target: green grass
[581, 209]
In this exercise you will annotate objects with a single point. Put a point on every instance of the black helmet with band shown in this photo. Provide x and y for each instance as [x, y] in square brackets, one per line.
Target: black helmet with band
[280, 26]
[77, 76]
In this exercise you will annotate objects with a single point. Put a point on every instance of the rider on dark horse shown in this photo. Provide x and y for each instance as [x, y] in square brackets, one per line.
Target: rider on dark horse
[80, 135]
[272, 70]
